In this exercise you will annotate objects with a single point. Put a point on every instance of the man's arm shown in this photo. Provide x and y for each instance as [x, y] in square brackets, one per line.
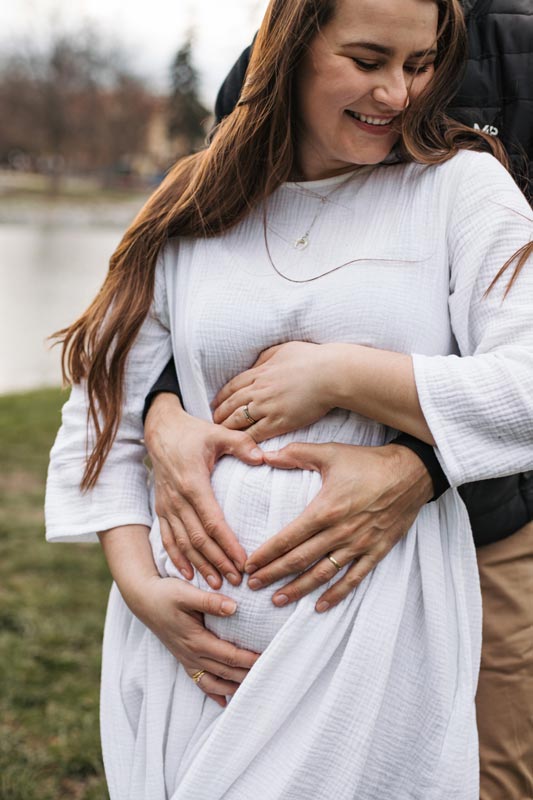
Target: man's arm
[426, 454]
[167, 383]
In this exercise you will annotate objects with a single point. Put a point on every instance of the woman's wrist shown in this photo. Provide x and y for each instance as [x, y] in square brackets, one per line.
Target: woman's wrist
[129, 556]
[378, 384]
[340, 360]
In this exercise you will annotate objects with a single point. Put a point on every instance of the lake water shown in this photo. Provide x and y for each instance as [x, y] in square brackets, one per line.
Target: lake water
[48, 276]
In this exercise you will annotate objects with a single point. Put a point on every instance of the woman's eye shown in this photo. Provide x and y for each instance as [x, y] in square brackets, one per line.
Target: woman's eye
[366, 65]
[411, 69]
[416, 69]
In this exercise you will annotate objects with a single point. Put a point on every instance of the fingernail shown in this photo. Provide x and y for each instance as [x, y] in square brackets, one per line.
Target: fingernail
[250, 569]
[280, 600]
[257, 453]
[322, 606]
[186, 575]
[254, 583]
[228, 607]
[212, 581]
[232, 578]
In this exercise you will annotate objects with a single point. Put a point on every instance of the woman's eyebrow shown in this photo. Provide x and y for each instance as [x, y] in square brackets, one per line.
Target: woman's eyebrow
[388, 51]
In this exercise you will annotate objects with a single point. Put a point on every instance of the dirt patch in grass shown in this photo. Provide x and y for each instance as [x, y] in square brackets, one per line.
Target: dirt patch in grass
[20, 481]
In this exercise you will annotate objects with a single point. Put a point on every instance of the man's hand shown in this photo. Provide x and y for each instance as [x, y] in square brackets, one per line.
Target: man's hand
[369, 499]
[184, 451]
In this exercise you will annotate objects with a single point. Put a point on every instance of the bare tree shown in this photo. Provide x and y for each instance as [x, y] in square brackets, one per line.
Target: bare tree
[78, 105]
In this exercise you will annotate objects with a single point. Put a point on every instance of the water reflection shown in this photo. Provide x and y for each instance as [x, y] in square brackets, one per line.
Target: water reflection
[48, 275]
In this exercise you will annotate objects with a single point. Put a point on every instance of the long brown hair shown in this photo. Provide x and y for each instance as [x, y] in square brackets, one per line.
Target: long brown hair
[252, 153]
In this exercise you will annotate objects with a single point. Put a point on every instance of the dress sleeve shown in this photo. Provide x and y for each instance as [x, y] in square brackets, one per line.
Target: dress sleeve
[121, 494]
[479, 404]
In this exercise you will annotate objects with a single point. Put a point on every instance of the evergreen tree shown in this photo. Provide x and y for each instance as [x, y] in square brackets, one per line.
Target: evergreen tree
[186, 112]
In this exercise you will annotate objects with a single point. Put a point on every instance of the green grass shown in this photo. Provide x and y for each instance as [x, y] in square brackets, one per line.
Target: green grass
[52, 604]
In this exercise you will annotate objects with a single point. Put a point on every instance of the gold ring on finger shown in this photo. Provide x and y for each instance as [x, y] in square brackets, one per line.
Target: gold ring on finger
[334, 562]
[248, 416]
[197, 677]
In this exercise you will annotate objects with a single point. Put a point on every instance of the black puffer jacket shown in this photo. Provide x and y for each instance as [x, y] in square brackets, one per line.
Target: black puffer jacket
[496, 93]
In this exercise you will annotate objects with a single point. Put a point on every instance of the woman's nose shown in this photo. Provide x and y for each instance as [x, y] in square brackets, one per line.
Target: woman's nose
[392, 91]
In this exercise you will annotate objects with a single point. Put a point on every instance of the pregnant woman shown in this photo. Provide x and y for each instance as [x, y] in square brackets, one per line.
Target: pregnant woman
[341, 219]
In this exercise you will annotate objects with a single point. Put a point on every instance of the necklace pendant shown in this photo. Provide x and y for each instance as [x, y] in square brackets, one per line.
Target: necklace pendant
[302, 242]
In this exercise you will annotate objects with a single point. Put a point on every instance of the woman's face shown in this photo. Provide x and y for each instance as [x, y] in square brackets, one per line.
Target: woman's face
[357, 77]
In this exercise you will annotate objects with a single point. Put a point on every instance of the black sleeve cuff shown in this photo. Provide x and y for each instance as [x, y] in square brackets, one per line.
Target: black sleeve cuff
[426, 454]
[167, 382]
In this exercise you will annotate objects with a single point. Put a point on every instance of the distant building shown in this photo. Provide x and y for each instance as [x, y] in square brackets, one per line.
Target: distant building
[161, 149]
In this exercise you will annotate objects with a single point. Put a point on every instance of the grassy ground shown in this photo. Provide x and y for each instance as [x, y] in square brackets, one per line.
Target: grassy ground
[52, 603]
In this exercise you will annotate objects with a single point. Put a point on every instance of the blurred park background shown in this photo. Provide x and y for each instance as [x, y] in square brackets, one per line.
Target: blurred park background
[97, 99]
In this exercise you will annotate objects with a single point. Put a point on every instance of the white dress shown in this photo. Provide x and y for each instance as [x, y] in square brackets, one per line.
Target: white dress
[373, 700]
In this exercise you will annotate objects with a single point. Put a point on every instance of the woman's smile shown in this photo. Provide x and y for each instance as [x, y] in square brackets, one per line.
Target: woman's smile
[372, 125]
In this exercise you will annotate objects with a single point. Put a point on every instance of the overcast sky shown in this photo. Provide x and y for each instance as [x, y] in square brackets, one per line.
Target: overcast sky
[151, 29]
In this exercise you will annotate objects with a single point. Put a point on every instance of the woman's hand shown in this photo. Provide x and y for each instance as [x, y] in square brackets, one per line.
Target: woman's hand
[184, 451]
[294, 384]
[173, 610]
[286, 389]
[369, 499]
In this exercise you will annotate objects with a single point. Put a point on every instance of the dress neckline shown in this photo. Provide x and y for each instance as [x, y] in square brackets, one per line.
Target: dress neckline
[326, 183]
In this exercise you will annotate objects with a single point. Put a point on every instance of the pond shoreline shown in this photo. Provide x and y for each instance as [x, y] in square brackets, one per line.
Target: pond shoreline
[58, 212]
[26, 199]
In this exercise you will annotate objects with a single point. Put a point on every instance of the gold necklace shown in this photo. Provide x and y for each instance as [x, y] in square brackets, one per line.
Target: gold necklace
[302, 241]
[306, 235]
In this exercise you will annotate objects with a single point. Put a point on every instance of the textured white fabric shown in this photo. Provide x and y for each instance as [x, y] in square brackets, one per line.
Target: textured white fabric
[487, 400]
[121, 494]
[373, 700]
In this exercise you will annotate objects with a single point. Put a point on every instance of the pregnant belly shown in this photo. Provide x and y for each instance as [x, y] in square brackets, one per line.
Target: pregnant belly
[257, 503]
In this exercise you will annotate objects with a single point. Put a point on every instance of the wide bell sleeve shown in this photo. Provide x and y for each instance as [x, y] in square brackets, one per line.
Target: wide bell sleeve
[479, 404]
[121, 494]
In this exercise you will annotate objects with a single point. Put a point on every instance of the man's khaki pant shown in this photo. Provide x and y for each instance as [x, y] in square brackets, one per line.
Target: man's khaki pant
[505, 692]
